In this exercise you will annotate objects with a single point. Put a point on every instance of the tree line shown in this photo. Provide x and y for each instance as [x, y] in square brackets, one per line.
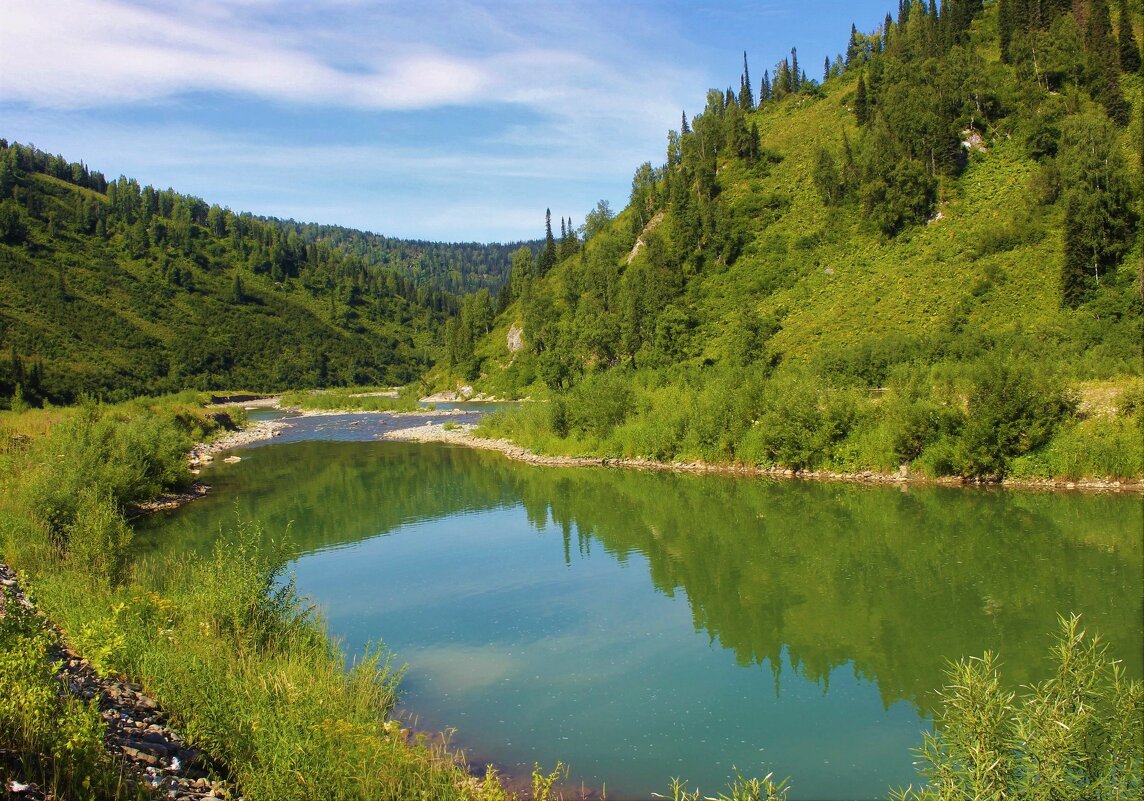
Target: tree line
[200, 296]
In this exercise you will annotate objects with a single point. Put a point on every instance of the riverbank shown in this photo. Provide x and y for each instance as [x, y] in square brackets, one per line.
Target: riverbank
[218, 646]
[465, 435]
[138, 735]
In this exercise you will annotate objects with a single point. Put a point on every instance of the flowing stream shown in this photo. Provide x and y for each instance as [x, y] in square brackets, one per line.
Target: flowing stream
[641, 626]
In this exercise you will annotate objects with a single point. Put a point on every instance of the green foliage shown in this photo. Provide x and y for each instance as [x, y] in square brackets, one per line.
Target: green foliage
[1099, 218]
[243, 666]
[1012, 408]
[49, 739]
[101, 460]
[1076, 735]
[898, 248]
[118, 290]
[765, 789]
[358, 399]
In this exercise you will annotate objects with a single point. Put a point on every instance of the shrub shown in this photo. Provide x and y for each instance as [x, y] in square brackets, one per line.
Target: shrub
[54, 741]
[1077, 735]
[1013, 408]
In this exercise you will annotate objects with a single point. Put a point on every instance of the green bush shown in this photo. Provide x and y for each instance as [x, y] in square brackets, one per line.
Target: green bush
[1012, 409]
[98, 538]
[1077, 735]
[51, 740]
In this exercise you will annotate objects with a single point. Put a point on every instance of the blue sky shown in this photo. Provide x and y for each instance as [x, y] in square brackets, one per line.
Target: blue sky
[435, 120]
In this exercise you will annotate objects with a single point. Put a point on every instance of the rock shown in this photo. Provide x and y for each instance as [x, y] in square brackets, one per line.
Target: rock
[143, 757]
[232, 459]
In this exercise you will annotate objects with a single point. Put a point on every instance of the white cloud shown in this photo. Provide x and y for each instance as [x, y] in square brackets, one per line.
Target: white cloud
[149, 89]
[88, 53]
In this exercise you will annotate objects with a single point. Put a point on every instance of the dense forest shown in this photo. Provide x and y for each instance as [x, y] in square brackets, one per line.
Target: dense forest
[926, 258]
[456, 267]
[114, 289]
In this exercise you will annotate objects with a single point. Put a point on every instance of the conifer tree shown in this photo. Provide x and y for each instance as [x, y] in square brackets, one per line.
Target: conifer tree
[796, 80]
[1074, 267]
[746, 94]
[765, 87]
[1104, 62]
[852, 49]
[1098, 27]
[861, 102]
[1129, 50]
[547, 258]
[684, 128]
[826, 70]
[1005, 25]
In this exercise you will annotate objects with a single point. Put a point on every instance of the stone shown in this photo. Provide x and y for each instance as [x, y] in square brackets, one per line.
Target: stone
[140, 756]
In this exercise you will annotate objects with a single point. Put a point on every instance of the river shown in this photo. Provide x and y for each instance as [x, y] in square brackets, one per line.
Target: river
[641, 626]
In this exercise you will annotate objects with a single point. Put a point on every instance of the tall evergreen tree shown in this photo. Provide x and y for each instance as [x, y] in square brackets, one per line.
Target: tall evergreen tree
[861, 102]
[746, 94]
[765, 87]
[1098, 27]
[852, 48]
[796, 79]
[684, 128]
[1129, 49]
[1104, 62]
[547, 258]
[826, 70]
[1074, 266]
[1006, 22]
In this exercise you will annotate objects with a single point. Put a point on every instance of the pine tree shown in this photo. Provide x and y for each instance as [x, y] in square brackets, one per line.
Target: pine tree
[1074, 268]
[548, 256]
[684, 128]
[796, 80]
[826, 70]
[765, 87]
[746, 94]
[1098, 27]
[1129, 50]
[861, 102]
[1104, 63]
[1005, 26]
[853, 48]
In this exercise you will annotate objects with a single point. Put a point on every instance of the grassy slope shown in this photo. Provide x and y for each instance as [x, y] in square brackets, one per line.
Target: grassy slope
[984, 275]
[119, 322]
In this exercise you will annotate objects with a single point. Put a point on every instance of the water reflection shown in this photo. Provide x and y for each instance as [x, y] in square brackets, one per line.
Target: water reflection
[835, 603]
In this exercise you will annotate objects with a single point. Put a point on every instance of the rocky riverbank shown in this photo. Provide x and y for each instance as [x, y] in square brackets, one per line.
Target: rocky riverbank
[464, 435]
[138, 736]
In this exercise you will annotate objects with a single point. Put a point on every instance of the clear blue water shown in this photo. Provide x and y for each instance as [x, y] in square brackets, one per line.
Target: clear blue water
[644, 626]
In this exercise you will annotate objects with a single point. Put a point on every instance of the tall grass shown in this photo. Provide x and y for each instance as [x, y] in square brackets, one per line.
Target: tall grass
[53, 741]
[1079, 734]
[357, 399]
[242, 664]
[993, 417]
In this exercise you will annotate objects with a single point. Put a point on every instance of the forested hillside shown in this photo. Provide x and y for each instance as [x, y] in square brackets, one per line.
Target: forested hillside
[456, 267]
[924, 258]
[114, 289]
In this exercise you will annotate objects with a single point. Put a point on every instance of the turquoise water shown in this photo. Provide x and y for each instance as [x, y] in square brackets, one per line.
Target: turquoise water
[643, 626]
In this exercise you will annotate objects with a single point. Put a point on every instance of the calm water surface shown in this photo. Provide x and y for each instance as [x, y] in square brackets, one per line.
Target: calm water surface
[640, 626]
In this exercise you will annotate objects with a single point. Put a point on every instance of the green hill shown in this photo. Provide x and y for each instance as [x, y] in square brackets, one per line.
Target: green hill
[456, 267]
[928, 259]
[113, 289]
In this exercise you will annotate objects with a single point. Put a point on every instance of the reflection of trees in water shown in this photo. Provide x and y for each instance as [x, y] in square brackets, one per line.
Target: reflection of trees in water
[893, 582]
